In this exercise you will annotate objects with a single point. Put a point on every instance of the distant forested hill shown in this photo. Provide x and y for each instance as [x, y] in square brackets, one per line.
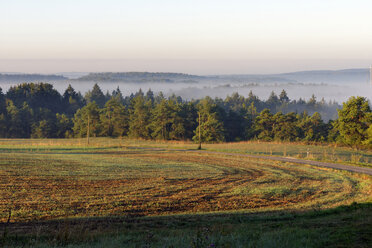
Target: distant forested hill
[321, 76]
[18, 78]
[140, 77]
[340, 76]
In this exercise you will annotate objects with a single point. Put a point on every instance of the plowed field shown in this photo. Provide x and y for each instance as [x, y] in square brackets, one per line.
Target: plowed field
[48, 184]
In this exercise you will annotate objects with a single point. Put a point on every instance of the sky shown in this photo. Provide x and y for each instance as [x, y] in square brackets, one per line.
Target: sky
[191, 36]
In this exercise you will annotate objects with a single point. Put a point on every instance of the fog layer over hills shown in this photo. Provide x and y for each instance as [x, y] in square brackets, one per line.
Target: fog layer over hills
[330, 85]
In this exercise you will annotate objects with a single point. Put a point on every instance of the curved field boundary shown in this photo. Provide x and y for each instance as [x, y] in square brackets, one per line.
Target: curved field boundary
[344, 167]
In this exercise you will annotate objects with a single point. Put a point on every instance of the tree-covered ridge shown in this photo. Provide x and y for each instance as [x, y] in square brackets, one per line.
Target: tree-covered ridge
[29, 77]
[350, 76]
[138, 77]
[39, 111]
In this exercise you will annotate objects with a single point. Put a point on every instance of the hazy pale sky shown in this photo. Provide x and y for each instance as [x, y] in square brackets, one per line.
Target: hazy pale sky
[193, 36]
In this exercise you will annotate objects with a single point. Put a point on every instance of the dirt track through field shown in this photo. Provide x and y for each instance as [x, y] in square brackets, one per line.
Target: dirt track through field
[362, 170]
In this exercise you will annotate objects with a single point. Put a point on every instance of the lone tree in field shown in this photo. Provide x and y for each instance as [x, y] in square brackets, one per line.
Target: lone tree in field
[355, 118]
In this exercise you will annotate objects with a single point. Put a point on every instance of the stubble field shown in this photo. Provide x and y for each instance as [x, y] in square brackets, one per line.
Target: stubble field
[57, 181]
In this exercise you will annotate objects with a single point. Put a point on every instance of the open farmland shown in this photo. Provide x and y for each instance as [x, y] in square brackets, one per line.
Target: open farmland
[318, 152]
[57, 181]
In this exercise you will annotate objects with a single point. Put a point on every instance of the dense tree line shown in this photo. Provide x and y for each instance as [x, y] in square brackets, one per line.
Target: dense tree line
[39, 111]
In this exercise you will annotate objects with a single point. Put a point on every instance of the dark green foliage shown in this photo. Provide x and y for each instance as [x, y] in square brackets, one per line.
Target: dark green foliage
[2, 102]
[37, 96]
[140, 117]
[150, 95]
[264, 125]
[87, 121]
[167, 122]
[64, 126]
[3, 115]
[114, 118]
[313, 128]
[235, 125]
[285, 127]
[72, 101]
[250, 114]
[272, 102]
[19, 121]
[211, 124]
[96, 95]
[368, 141]
[355, 118]
[236, 120]
[43, 129]
[283, 96]
[159, 97]
[189, 115]
[118, 95]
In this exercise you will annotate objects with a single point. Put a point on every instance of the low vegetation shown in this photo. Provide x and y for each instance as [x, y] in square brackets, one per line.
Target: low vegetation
[344, 226]
[319, 152]
[62, 192]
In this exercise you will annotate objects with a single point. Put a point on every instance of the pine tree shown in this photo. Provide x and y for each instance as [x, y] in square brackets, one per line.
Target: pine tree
[285, 126]
[159, 97]
[211, 126]
[189, 115]
[96, 95]
[273, 102]
[312, 101]
[264, 124]
[167, 123]
[139, 118]
[150, 96]
[114, 118]
[64, 126]
[3, 116]
[72, 101]
[283, 96]
[312, 127]
[86, 121]
[118, 95]
[250, 114]
[20, 120]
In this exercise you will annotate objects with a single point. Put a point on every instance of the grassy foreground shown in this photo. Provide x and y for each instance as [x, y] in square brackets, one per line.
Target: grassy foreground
[64, 193]
[326, 153]
[345, 226]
